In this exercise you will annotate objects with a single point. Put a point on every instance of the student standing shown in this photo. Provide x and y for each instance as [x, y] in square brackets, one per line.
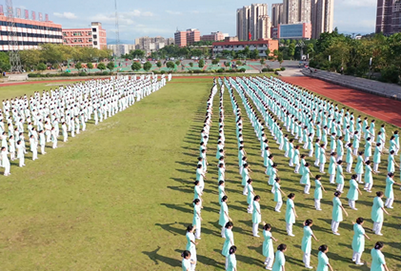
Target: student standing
[318, 195]
[232, 261]
[358, 242]
[389, 192]
[256, 216]
[353, 192]
[224, 217]
[197, 218]
[337, 215]
[186, 261]
[290, 214]
[191, 246]
[307, 242]
[323, 260]
[277, 195]
[279, 263]
[229, 242]
[378, 260]
[377, 213]
[267, 247]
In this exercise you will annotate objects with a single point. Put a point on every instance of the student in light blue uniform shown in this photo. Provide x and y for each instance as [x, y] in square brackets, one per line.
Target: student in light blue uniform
[353, 192]
[191, 247]
[358, 242]
[290, 214]
[267, 247]
[307, 242]
[377, 213]
[337, 215]
[378, 260]
[323, 260]
[279, 262]
[232, 260]
[229, 242]
[389, 192]
[186, 261]
[318, 195]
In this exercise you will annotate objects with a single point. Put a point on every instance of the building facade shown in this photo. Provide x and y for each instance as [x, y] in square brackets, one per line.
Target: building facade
[262, 45]
[30, 33]
[294, 31]
[123, 48]
[248, 21]
[322, 17]
[388, 16]
[277, 14]
[95, 36]
[150, 45]
[185, 38]
[296, 11]
[396, 22]
[214, 36]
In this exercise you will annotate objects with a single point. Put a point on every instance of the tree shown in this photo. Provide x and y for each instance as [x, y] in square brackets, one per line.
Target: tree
[254, 54]
[89, 65]
[159, 64]
[78, 66]
[291, 50]
[262, 61]
[239, 63]
[201, 63]
[29, 58]
[170, 65]
[191, 64]
[110, 66]
[41, 67]
[216, 61]
[280, 58]
[101, 66]
[147, 66]
[136, 66]
[177, 62]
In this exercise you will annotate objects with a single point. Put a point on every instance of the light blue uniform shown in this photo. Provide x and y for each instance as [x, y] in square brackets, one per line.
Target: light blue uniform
[228, 242]
[353, 192]
[307, 240]
[337, 214]
[377, 260]
[279, 262]
[232, 262]
[358, 242]
[267, 246]
[377, 211]
[289, 212]
[323, 261]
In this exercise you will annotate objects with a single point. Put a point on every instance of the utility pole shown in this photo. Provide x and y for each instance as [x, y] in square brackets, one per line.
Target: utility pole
[13, 51]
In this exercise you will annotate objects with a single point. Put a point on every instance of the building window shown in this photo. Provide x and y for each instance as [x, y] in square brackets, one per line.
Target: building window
[93, 29]
[95, 43]
[95, 36]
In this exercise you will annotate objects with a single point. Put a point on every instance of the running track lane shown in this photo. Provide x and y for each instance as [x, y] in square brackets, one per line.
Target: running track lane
[382, 108]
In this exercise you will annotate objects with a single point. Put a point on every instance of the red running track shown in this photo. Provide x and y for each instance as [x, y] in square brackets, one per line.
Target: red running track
[378, 107]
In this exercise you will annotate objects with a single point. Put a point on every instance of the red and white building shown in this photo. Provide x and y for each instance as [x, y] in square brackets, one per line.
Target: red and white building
[30, 33]
[95, 37]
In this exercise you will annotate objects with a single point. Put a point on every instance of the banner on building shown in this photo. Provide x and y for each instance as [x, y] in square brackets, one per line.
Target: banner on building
[26, 14]
[1, 9]
[18, 13]
[40, 17]
[33, 15]
[46, 17]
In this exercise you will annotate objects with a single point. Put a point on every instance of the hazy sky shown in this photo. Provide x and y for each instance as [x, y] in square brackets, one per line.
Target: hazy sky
[163, 17]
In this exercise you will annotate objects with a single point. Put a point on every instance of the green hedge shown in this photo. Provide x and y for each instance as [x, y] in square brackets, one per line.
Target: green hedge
[66, 74]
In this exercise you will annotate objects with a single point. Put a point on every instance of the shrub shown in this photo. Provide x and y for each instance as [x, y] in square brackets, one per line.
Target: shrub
[391, 74]
[282, 68]
[242, 70]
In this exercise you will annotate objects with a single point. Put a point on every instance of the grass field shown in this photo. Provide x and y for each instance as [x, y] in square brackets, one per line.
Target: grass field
[118, 196]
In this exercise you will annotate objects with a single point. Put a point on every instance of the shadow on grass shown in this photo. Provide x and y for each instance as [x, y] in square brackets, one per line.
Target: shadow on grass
[157, 258]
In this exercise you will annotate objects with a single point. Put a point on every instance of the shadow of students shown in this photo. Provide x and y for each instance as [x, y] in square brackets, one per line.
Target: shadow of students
[157, 258]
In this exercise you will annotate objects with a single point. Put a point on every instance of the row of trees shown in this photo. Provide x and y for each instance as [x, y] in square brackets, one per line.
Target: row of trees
[58, 54]
[373, 55]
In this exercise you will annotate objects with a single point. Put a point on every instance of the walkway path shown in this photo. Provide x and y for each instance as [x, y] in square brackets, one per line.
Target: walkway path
[382, 108]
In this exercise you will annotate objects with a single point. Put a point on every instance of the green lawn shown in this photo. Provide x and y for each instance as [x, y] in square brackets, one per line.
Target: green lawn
[118, 196]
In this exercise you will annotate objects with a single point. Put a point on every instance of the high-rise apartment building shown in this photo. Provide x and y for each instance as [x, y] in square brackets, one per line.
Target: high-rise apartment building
[388, 16]
[277, 14]
[249, 22]
[322, 17]
[396, 22]
[296, 11]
